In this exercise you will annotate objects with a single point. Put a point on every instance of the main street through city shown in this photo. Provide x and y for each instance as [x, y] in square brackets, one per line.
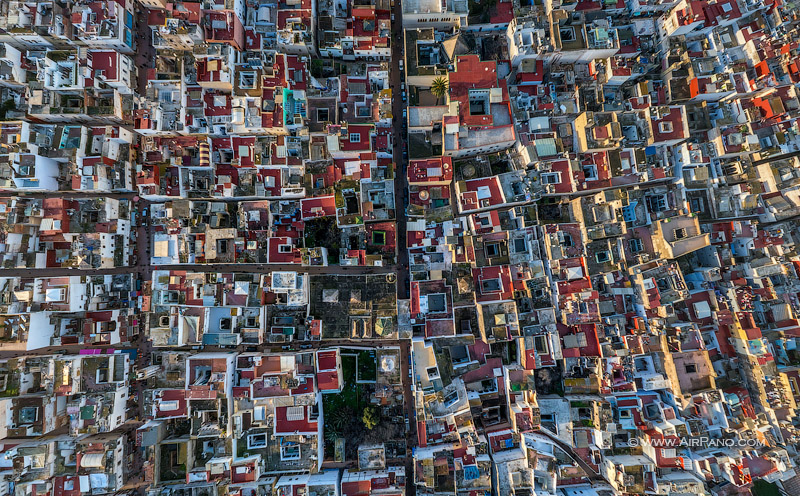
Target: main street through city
[399, 144]
[205, 268]
[401, 202]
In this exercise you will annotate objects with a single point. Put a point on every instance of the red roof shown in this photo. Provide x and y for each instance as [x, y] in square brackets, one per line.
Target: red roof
[284, 16]
[252, 39]
[564, 170]
[328, 380]
[321, 206]
[56, 209]
[276, 175]
[438, 169]
[481, 193]
[535, 77]
[357, 138]
[217, 104]
[589, 331]
[299, 72]
[278, 78]
[719, 11]
[356, 488]
[502, 13]
[473, 74]
[276, 254]
[670, 126]
[243, 150]
[232, 32]
[300, 426]
[106, 62]
[327, 360]
[485, 291]
[171, 404]
[244, 472]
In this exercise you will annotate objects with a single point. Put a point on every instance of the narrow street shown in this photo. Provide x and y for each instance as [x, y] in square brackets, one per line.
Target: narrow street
[223, 268]
[401, 177]
[145, 53]
[411, 414]
[145, 347]
[401, 203]
[119, 195]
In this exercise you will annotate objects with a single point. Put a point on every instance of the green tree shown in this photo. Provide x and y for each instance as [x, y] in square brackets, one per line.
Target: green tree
[439, 88]
[371, 418]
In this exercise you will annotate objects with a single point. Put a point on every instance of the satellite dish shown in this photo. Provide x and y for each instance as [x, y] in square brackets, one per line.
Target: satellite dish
[424, 195]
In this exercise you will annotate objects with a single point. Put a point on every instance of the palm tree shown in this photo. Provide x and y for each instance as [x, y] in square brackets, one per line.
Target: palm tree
[339, 419]
[331, 436]
[439, 88]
